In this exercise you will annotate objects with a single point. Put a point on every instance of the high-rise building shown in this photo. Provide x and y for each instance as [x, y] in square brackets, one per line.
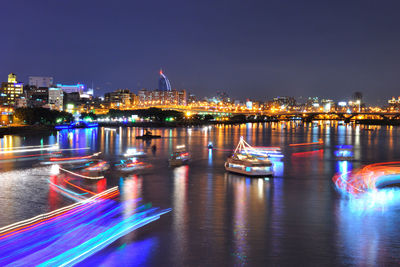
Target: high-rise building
[122, 98]
[10, 91]
[56, 98]
[74, 88]
[191, 99]
[286, 101]
[163, 82]
[37, 97]
[40, 81]
[158, 97]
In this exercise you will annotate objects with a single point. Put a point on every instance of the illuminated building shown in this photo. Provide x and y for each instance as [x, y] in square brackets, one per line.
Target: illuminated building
[249, 104]
[191, 99]
[37, 97]
[222, 97]
[88, 95]
[158, 97]
[75, 88]
[394, 101]
[327, 104]
[56, 98]
[121, 98]
[39, 81]
[10, 91]
[163, 82]
[286, 101]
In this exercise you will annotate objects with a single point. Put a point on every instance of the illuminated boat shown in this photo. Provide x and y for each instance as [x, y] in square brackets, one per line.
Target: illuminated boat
[244, 161]
[131, 165]
[148, 135]
[210, 145]
[344, 152]
[97, 166]
[77, 124]
[179, 157]
[70, 160]
[133, 152]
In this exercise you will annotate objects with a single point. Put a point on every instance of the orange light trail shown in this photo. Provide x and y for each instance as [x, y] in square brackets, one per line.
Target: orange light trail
[80, 188]
[73, 158]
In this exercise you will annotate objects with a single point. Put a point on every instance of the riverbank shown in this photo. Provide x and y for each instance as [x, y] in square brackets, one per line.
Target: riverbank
[177, 124]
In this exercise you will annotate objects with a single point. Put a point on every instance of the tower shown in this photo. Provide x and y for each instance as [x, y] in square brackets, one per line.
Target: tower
[163, 82]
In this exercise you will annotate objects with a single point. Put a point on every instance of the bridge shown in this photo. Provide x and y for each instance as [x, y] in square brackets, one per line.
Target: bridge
[286, 115]
[305, 116]
[310, 116]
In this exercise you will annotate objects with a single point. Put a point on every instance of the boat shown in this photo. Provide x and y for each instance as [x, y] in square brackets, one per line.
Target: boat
[210, 145]
[76, 125]
[133, 152]
[246, 161]
[344, 152]
[131, 165]
[148, 135]
[97, 166]
[179, 157]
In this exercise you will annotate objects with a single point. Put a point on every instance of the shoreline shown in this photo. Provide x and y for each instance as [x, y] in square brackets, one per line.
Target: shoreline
[48, 130]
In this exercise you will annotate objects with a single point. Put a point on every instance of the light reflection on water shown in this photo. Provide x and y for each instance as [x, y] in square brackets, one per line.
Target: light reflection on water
[296, 218]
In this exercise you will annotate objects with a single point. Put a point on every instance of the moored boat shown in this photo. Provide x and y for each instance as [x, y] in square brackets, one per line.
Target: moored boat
[148, 135]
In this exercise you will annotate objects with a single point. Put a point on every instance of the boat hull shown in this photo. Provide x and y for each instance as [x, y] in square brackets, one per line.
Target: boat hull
[148, 137]
[249, 173]
[177, 163]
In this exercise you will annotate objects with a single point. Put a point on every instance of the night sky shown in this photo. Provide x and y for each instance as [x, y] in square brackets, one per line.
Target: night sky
[256, 49]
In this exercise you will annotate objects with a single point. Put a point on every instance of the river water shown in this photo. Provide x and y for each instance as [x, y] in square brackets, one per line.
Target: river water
[296, 218]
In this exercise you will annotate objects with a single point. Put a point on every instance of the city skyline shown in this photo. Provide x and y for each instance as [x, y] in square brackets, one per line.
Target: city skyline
[164, 85]
[255, 49]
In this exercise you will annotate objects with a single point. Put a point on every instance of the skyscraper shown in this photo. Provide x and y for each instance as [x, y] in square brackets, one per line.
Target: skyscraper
[39, 81]
[163, 83]
[10, 91]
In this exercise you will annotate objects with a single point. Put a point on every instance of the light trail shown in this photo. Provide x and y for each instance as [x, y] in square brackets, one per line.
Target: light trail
[68, 235]
[74, 149]
[70, 194]
[75, 158]
[308, 153]
[370, 178]
[80, 188]
[100, 241]
[30, 149]
[320, 142]
[27, 147]
[55, 212]
[82, 176]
